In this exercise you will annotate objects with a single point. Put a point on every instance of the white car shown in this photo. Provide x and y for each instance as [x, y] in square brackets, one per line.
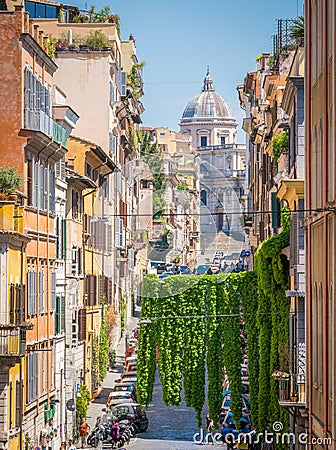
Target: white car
[115, 398]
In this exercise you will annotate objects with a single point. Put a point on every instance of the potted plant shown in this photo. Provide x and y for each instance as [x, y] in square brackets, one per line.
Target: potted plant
[27, 325]
[96, 40]
[10, 180]
[294, 397]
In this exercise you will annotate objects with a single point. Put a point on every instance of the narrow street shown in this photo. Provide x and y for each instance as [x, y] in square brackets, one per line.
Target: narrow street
[170, 428]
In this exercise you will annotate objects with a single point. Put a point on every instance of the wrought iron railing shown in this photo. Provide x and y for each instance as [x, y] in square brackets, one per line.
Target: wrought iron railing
[292, 389]
[10, 339]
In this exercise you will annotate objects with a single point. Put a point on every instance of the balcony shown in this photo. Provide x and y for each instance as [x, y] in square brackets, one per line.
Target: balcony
[292, 391]
[39, 121]
[60, 134]
[12, 341]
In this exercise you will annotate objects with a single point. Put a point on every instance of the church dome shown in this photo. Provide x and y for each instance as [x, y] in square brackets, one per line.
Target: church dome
[207, 104]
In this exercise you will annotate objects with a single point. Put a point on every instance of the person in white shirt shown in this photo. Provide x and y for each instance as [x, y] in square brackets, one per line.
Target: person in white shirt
[71, 445]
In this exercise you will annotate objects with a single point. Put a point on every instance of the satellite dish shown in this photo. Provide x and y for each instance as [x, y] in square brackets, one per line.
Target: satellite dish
[70, 404]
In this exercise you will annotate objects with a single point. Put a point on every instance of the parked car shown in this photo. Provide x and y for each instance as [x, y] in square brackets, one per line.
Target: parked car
[202, 269]
[131, 367]
[116, 398]
[170, 267]
[165, 275]
[131, 411]
[130, 360]
[128, 378]
[125, 387]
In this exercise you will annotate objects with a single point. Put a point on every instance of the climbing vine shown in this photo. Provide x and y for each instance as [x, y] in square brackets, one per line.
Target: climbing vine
[272, 271]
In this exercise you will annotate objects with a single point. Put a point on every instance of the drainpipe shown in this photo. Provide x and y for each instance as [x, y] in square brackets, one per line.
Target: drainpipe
[21, 357]
[325, 224]
[308, 162]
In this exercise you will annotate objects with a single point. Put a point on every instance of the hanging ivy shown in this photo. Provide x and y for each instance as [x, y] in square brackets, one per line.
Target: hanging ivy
[147, 342]
[214, 358]
[196, 323]
[170, 340]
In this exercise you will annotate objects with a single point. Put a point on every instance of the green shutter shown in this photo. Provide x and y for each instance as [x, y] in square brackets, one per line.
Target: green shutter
[63, 239]
[62, 325]
[275, 210]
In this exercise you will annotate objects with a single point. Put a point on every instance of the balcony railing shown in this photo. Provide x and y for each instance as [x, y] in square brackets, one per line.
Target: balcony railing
[292, 391]
[11, 341]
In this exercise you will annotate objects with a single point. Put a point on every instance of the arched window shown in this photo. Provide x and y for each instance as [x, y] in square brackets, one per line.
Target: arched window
[204, 197]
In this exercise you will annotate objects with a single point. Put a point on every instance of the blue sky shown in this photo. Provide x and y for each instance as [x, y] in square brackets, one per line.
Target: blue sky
[179, 38]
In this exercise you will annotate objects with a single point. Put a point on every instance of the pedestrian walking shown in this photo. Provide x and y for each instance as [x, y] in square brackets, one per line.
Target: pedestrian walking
[63, 446]
[84, 429]
[71, 446]
[115, 433]
[208, 438]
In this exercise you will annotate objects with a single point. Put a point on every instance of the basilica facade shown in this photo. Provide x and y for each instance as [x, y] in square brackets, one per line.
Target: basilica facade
[210, 122]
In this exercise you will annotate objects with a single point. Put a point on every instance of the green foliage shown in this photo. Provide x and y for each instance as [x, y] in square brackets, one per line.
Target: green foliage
[103, 347]
[181, 187]
[96, 39]
[122, 314]
[272, 271]
[186, 345]
[9, 179]
[279, 142]
[212, 307]
[134, 78]
[82, 402]
[147, 342]
[296, 30]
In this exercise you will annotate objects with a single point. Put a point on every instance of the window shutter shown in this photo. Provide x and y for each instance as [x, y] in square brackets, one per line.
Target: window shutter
[41, 291]
[35, 181]
[112, 94]
[63, 252]
[123, 84]
[52, 191]
[92, 290]
[35, 375]
[12, 306]
[41, 185]
[82, 324]
[57, 226]
[26, 98]
[112, 144]
[53, 291]
[18, 402]
[58, 314]
[45, 188]
[275, 211]
[62, 309]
